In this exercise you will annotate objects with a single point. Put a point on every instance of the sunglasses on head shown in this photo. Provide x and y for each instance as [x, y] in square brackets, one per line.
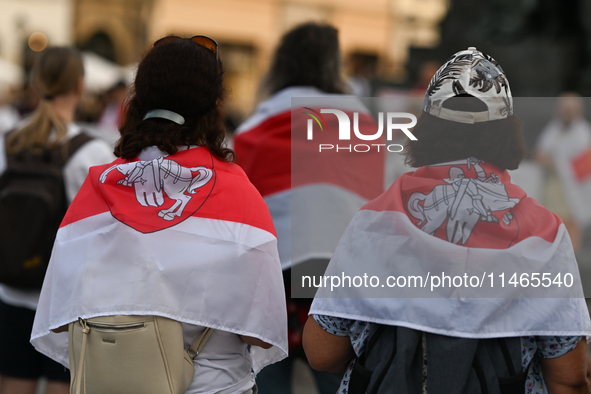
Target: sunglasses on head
[204, 41]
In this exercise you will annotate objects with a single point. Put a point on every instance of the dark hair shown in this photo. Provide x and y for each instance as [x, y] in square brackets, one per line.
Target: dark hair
[499, 142]
[183, 77]
[308, 55]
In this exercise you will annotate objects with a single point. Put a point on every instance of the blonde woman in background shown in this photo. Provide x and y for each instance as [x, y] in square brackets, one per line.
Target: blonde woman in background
[58, 75]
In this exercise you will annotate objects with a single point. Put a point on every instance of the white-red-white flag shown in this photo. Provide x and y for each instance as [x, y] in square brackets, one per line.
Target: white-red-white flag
[312, 195]
[184, 236]
[457, 249]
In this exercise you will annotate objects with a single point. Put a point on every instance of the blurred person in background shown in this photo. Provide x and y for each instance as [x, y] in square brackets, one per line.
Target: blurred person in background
[563, 149]
[426, 71]
[90, 109]
[28, 99]
[9, 115]
[362, 72]
[112, 113]
[58, 75]
[307, 64]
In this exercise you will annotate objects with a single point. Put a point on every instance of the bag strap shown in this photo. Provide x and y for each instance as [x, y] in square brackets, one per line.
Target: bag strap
[82, 361]
[76, 142]
[57, 153]
[507, 356]
[199, 343]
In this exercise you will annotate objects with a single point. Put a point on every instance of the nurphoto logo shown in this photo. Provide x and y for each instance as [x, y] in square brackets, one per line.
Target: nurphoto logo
[392, 119]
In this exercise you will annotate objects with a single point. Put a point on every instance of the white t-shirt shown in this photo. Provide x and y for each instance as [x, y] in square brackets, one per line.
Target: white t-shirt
[8, 118]
[92, 153]
[224, 364]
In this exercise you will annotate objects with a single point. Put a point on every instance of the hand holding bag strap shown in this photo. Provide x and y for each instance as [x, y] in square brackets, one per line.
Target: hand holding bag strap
[199, 343]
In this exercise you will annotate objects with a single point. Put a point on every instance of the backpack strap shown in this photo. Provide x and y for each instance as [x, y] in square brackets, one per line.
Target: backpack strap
[517, 376]
[361, 376]
[199, 343]
[75, 143]
[63, 152]
[424, 362]
[507, 355]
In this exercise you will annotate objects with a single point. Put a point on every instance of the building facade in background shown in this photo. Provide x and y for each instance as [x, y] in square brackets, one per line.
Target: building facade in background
[375, 35]
[114, 29]
[379, 32]
[26, 26]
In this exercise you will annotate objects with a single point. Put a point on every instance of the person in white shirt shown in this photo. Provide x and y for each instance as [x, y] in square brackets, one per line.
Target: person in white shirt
[560, 147]
[59, 78]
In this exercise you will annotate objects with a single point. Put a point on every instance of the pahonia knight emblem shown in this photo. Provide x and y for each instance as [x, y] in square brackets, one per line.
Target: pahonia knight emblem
[153, 179]
[463, 202]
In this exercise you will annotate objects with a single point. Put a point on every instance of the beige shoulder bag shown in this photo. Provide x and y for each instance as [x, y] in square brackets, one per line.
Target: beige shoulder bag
[123, 354]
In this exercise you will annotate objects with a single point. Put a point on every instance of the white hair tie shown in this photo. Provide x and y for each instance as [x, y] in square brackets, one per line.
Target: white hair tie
[165, 114]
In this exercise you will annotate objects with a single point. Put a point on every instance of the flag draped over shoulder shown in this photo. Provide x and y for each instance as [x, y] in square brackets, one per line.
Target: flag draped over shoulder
[466, 223]
[184, 236]
[312, 195]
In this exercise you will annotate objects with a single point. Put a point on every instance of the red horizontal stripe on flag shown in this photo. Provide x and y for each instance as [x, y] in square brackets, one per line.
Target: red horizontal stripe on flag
[264, 153]
[427, 198]
[277, 155]
[228, 196]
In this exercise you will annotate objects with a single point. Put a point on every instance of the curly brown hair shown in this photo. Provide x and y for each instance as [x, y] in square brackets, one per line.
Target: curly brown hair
[183, 77]
[499, 142]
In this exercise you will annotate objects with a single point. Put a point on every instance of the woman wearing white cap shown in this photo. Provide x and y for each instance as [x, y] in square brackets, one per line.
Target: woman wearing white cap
[457, 214]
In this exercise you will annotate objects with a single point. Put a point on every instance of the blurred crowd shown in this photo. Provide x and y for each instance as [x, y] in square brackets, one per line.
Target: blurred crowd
[557, 172]
[99, 111]
[556, 150]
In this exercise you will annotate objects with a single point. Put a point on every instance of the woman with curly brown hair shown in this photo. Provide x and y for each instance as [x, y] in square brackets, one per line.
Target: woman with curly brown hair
[173, 228]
